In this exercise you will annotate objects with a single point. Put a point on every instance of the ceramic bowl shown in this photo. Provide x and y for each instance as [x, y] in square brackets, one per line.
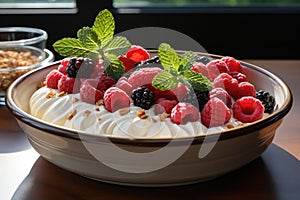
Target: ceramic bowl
[9, 71]
[150, 162]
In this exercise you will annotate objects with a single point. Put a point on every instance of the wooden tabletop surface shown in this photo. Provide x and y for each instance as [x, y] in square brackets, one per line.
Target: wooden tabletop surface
[275, 175]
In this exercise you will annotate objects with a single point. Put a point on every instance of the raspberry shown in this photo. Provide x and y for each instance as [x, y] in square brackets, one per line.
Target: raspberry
[127, 63]
[69, 85]
[200, 68]
[52, 79]
[98, 69]
[137, 53]
[183, 113]
[164, 106]
[89, 92]
[124, 85]
[178, 93]
[221, 94]
[216, 67]
[215, 113]
[62, 69]
[232, 64]
[105, 82]
[248, 109]
[197, 98]
[115, 99]
[240, 77]
[143, 76]
[244, 89]
[225, 81]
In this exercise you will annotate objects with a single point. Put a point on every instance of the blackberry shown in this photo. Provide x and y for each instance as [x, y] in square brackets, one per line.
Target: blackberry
[154, 61]
[80, 67]
[267, 100]
[203, 59]
[198, 99]
[143, 97]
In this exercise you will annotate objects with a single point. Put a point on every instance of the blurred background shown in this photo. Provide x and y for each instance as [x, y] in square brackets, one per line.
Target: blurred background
[245, 29]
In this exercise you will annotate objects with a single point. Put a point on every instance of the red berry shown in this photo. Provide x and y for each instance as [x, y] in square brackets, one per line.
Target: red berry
[244, 89]
[216, 67]
[98, 69]
[127, 63]
[143, 76]
[215, 113]
[183, 113]
[124, 85]
[248, 109]
[137, 53]
[178, 93]
[232, 64]
[225, 81]
[105, 82]
[200, 68]
[89, 91]
[52, 79]
[115, 99]
[69, 85]
[221, 94]
[62, 69]
[240, 77]
[164, 106]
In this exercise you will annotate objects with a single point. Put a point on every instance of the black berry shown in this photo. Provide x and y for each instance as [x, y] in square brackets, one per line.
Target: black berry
[197, 98]
[143, 97]
[80, 67]
[267, 100]
[203, 59]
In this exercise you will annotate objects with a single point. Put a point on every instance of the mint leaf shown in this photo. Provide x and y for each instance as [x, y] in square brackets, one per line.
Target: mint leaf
[104, 25]
[113, 66]
[71, 47]
[191, 58]
[168, 56]
[164, 81]
[197, 80]
[117, 45]
[88, 38]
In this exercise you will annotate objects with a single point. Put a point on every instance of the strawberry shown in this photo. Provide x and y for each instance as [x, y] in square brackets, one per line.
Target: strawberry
[137, 53]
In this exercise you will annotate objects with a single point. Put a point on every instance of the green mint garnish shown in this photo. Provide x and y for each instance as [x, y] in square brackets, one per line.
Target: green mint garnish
[97, 42]
[177, 69]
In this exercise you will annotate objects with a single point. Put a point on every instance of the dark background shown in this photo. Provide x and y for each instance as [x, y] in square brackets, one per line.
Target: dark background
[244, 34]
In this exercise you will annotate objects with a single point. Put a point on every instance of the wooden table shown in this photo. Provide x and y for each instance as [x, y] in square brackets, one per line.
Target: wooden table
[275, 175]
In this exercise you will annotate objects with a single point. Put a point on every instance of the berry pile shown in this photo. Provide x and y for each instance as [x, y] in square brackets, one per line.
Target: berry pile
[231, 95]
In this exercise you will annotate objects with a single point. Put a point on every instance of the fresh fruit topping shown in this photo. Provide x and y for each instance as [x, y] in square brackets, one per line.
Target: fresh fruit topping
[244, 89]
[69, 85]
[80, 67]
[232, 64]
[267, 100]
[221, 94]
[164, 106]
[52, 79]
[178, 93]
[63, 66]
[225, 81]
[215, 113]
[105, 82]
[216, 67]
[127, 63]
[200, 68]
[197, 98]
[183, 113]
[151, 62]
[137, 53]
[143, 97]
[124, 85]
[203, 59]
[143, 76]
[248, 109]
[90, 92]
[114, 99]
[240, 77]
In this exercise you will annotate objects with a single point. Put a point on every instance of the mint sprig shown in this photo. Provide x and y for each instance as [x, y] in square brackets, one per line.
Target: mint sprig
[97, 42]
[177, 69]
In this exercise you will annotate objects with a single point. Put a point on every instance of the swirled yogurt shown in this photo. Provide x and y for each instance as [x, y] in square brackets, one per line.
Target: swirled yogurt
[69, 111]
